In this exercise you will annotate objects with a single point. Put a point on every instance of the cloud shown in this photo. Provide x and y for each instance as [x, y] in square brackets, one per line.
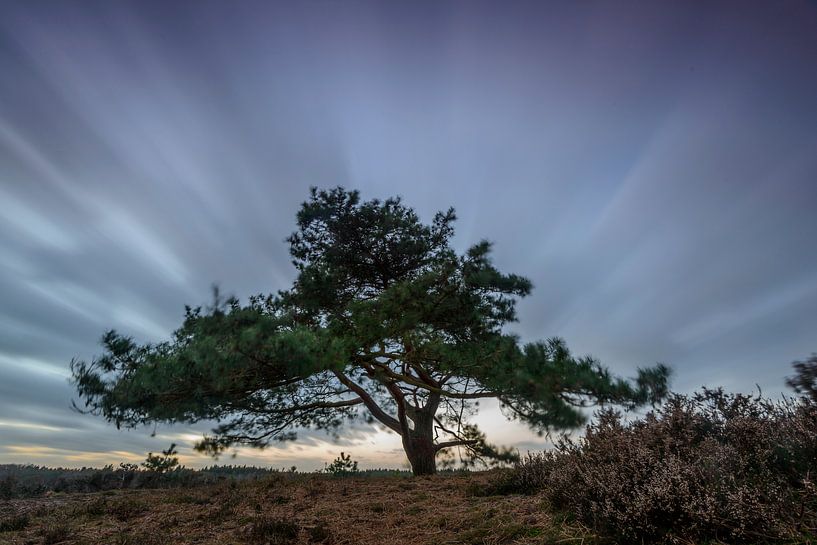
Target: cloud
[651, 173]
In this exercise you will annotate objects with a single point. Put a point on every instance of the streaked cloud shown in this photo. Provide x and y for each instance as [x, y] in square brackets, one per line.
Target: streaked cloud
[651, 168]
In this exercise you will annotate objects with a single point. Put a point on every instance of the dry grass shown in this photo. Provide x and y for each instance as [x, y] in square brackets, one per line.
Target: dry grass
[281, 511]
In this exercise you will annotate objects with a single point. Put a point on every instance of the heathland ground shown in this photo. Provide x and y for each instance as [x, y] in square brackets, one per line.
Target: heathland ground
[289, 509]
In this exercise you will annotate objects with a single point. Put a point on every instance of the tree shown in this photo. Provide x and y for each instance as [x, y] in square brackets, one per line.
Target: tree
[342, 465]
[163, 462]
[804, 381]
[385, 322]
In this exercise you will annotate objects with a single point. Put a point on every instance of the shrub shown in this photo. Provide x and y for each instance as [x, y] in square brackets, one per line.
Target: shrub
[54, 532]
[8, 486]
[164, 462]
[527, 477]
[342, 465]
[95, 508]
[707, 466]
[273, 531]
[127, 509]
[14, 523]
[320, 533]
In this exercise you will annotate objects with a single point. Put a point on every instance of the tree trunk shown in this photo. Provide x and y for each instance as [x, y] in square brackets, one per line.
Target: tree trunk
[419, 444]
[421, 454]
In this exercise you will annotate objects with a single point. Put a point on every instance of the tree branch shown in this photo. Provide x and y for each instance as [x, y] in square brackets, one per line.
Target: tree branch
[377, 412]
[386, 370]
[460, 442]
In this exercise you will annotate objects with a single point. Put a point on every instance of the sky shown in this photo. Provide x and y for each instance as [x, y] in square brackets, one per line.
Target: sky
[650, 166]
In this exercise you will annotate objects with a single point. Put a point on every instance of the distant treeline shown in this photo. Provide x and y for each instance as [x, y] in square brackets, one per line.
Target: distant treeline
[18, 481]
[30, 480]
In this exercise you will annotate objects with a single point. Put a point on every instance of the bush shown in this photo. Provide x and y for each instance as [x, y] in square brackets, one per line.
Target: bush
[711, 466]
[54, 532]
[127, 509]
[8, 487]
[273, 531]
[14, 523]
[320, 533]
[161, 463]
[342, 465]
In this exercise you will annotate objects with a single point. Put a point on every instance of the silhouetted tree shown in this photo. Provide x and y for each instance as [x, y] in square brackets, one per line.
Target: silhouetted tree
[161, 463]
[385, 321]
[342, 465]
[804, 380]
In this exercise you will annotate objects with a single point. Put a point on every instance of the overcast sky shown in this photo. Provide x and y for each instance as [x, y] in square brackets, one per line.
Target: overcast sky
[652, 167]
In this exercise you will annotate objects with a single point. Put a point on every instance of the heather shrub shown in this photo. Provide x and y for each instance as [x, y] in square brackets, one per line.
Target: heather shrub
[711, 466]
[14, 523]
[54, 531]
[268, 531]
[127, 509]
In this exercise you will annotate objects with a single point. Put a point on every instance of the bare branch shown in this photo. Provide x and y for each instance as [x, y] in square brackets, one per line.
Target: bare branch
[370, 403]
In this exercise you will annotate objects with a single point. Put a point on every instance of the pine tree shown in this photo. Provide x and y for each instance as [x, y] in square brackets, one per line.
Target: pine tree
[385, 322]
[164, 462]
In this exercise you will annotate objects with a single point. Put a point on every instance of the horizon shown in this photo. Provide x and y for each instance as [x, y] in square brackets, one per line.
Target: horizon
[652, 169]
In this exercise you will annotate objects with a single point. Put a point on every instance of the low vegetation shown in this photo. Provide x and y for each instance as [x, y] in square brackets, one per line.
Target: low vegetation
[342, 465]
[711, 466]
[29, 481]
[290, 509]
[707, 468]
[24, 481]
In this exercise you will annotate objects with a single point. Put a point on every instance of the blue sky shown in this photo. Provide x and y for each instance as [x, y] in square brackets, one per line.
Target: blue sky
[652, 167]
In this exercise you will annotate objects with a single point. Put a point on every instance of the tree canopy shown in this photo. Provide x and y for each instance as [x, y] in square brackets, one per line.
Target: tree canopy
[385, 322]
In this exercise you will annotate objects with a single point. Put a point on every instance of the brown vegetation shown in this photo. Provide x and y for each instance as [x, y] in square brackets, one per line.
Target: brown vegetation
[287, 509]
[709, 467]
